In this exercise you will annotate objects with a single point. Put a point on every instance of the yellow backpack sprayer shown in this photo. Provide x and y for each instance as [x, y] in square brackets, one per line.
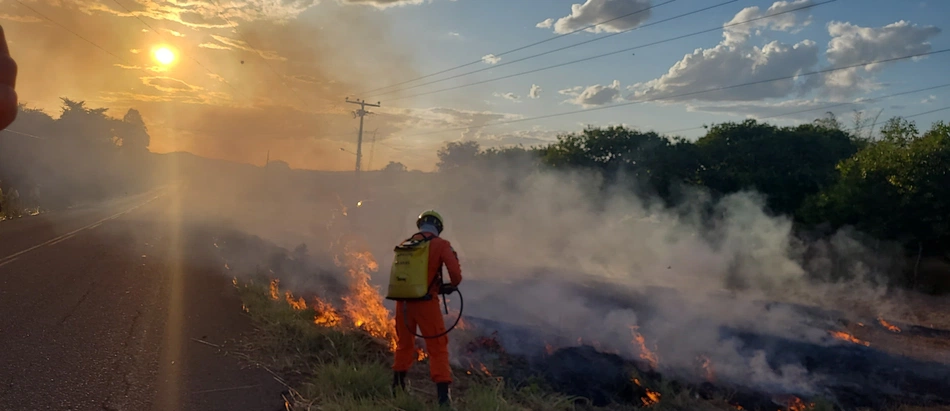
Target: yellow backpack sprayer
[409, 278]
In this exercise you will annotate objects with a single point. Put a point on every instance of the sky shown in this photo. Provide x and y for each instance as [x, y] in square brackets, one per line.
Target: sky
[253, 78]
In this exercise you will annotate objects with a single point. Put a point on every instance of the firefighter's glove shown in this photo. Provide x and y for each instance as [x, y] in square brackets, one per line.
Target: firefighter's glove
[446, 289]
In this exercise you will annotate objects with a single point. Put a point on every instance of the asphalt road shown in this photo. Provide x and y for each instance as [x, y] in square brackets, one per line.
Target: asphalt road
[103, 308]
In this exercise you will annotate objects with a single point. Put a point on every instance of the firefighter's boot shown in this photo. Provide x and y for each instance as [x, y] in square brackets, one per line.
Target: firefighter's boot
[443, 390]
[399, 381]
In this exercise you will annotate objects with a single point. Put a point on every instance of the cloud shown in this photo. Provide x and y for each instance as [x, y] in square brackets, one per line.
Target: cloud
[851, 44]
[726, 65]
[535, 91]
[436, 118]
[384, 4]
[733, 61]
[491, 59]
[739, 33]
[241, 45]
[214, 46]
[201, 14]
[596, 95]
[611, 12]
[154, 69]
[930, 99]
[174, 33]
[20, 18]
[508, 96]
[794, 109]
[533, 137]
[168, 84]
[455, 34]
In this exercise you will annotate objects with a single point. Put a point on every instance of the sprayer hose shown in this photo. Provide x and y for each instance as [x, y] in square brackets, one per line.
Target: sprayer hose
[457, 319]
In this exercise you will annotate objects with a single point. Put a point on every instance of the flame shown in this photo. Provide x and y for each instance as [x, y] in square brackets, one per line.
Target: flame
[652, 397]
[274, 295]
[888, 325]
[297, 304]
[462, 325]
[421, 355]
[364, 305]
[796, 404]
[707, 366]
[738, 407]
[645, 353]
[326, 314]
[841, 335]
[226, 266]
[484, 369]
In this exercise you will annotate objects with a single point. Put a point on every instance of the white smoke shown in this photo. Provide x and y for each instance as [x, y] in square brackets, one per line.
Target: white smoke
[531, 241]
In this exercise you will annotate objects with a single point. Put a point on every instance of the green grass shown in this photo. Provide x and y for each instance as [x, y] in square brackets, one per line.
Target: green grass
[338, 368]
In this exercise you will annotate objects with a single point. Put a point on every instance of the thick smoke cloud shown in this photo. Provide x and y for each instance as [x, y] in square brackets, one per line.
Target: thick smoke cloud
[566, 255]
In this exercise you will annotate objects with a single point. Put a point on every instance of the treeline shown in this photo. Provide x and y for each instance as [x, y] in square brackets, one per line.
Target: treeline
[893, 185]
[81, 156]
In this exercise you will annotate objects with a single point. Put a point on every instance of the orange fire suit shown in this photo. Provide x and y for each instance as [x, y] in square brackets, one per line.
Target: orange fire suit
[427, 315]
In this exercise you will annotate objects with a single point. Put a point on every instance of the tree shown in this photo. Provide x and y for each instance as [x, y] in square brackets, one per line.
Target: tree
[395, 167]
[84, 125]
[456, 154]
[652, 161]
[787, 164]
[132, 132]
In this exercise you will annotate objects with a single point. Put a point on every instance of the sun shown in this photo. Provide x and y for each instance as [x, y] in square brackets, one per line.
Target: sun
[164, 55]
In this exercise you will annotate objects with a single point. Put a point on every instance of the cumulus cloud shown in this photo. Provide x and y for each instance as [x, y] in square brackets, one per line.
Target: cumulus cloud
[535, 91]
[591, 96]
[546, 24]
[736, 33]
[734, 60]
[617, 15]
[508, 96]
[851, 44]
[930, 99]
[725, 65]
[491, 59]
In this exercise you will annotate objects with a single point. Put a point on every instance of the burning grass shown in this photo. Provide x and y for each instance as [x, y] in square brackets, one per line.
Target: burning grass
[337, 354]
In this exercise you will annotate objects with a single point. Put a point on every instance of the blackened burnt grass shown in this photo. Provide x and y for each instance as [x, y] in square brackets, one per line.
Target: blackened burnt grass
[344, 368]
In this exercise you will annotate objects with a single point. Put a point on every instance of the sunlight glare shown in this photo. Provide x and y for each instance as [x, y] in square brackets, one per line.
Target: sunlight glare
[164, 55]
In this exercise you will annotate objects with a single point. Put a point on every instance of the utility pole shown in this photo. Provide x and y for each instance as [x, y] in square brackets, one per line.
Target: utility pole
[361, 113]
[359, 150]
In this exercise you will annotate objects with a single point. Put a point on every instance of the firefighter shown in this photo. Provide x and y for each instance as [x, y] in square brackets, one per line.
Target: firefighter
[426, 314]
[8, 96]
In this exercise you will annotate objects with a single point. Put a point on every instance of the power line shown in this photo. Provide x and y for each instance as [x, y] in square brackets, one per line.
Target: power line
[914, 115]
[524, 47]
[565, 47]
[74, 33]
[243, 38]
[626, 50]
[687, 94]
[830, 106]
[236, 90]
